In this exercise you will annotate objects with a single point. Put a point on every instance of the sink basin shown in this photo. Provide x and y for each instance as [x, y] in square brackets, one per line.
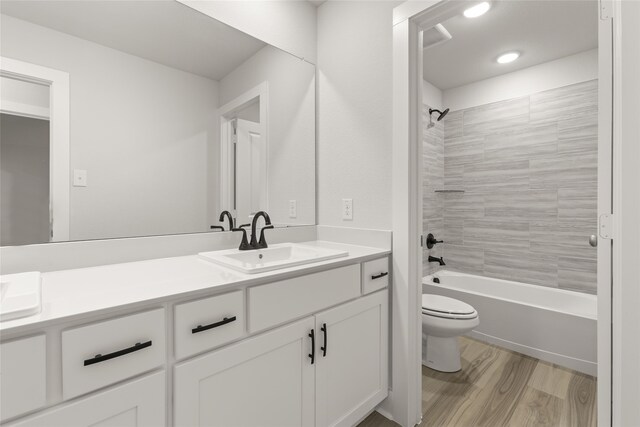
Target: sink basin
[19, 295]
[272, 258]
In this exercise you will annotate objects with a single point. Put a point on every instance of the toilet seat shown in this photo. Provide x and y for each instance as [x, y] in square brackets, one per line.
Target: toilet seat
[446, 308]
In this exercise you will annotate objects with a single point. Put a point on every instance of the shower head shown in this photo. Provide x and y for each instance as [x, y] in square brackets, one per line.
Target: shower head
[441, 113]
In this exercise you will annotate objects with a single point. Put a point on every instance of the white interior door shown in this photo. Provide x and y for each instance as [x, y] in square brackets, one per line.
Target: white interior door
[603, 235]
[250, 169]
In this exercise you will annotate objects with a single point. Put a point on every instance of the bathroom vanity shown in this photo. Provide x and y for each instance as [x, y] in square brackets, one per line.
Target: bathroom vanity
[185, 342]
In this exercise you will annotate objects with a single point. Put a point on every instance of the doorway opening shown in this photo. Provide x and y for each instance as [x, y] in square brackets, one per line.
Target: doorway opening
[245, 154]
[34, 110]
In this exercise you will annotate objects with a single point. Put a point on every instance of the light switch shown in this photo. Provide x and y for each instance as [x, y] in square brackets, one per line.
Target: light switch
[293, 209]
[347, 209]
[79, 178]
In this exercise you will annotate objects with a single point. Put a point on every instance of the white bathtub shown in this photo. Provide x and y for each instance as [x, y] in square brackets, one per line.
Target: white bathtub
[547, 323]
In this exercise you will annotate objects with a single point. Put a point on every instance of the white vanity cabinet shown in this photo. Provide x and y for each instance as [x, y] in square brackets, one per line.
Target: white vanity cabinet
[138, 403]
[267, 380]
[326, 370]
[306, 349]
[351, 371]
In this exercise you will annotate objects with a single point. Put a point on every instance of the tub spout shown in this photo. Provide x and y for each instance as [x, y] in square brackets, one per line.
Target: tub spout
[438, 260]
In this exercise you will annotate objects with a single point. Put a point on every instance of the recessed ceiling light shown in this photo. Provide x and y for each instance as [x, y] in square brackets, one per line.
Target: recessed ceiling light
[505, 58]
[477, 10]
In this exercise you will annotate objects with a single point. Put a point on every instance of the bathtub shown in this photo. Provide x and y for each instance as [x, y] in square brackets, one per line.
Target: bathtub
[551, 324]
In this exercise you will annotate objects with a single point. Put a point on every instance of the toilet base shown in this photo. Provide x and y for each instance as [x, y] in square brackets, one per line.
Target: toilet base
[441, 354]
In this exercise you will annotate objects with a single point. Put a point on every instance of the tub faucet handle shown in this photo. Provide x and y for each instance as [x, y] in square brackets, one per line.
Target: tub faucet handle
[432, 241]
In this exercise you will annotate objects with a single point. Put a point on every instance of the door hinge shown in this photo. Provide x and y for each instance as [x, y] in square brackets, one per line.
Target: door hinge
[605, 226]
[606, 9]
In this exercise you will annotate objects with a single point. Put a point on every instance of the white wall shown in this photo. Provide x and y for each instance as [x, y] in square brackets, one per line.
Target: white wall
[143, 132]
[431, 95]
[288, 25]
[354, 112]
[24, 162]
[291, 128]
[577, 68]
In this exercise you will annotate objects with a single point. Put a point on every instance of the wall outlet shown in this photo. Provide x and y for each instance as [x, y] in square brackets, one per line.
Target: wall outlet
[347, 209]
[293, 209]
[79, 178]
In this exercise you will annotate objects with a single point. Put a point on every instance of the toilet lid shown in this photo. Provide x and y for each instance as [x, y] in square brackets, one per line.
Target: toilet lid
[441, 306]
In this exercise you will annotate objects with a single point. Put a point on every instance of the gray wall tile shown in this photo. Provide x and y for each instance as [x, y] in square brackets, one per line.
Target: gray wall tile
[522, 266]
[523, 143]
[496, 117]
[528, 167]
[527, 204]
[466, 259]
[489, 177]
[577, 274]
[564, 103]
[496, 233]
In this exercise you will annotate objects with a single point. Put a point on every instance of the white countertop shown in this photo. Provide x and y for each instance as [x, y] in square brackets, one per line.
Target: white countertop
[70, 294]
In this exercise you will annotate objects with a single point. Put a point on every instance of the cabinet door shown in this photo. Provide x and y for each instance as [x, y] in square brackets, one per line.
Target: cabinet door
[136, 403]
[351, 371]
[263, 381]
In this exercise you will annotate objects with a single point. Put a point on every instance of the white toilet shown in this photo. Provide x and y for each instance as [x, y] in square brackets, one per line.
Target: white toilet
[443, 320]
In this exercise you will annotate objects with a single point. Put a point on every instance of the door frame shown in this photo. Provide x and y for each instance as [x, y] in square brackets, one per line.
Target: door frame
[226, 115]
[409, 19]
[59, 173]
[625, 317]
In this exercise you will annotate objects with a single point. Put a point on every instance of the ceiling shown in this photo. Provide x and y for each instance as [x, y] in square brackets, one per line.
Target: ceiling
[541, 30]
[162, 31]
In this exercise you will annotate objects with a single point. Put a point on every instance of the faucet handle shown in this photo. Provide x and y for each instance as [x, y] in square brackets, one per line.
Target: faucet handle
[244, 245]
[263, 242]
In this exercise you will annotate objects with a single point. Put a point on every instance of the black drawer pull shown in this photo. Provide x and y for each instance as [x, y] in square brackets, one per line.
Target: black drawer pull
[324, 345]
[101, 358]
[312, 355]
[224, 321]
[377, 276]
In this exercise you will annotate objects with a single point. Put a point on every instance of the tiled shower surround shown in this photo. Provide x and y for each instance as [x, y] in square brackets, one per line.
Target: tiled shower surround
[528, 169]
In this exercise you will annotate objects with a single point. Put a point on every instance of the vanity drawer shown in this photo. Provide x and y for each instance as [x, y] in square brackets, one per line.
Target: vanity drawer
[276, 303]
[375, 275]
[207, 323]
[23, 376]
[100, 354]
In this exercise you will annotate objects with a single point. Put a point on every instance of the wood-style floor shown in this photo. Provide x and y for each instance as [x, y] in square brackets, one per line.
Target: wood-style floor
[498, 387]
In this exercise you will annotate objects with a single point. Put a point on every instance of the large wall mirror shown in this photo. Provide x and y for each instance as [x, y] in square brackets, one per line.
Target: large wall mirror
[138, 118]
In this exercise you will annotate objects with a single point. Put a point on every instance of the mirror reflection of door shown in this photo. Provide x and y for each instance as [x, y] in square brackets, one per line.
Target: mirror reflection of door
[250, 169]
[24, 163]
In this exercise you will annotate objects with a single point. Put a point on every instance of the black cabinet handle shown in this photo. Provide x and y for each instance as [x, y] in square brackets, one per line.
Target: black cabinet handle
[312, 334]
[324, 345]
[377, 276]
[224, 321]
[102, 357]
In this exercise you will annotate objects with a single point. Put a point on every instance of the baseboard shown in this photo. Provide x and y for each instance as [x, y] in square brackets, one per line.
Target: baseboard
[580, 365]
[384, 413]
